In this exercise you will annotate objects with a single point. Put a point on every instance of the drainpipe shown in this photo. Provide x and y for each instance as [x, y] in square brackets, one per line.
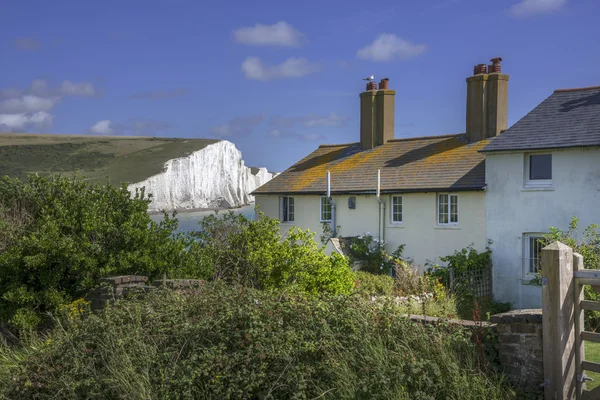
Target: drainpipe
[380, 231]
[332, 204]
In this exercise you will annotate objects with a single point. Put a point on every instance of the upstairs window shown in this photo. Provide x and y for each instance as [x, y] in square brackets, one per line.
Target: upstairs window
[396, 209]
[325, 209]
[286, 209]
[448, 209]
[538, 169]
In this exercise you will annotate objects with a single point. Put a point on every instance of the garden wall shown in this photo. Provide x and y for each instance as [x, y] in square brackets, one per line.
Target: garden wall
[516, 334]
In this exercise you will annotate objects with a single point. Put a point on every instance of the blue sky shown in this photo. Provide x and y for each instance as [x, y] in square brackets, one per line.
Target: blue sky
[278, 78]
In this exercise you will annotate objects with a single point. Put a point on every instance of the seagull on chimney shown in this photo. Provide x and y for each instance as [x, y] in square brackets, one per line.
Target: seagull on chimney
[370, 78]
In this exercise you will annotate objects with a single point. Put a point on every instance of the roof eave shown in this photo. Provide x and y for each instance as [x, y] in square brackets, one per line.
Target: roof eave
[373, 192]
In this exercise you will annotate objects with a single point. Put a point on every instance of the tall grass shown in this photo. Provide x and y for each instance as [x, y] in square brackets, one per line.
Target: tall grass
[231, 342]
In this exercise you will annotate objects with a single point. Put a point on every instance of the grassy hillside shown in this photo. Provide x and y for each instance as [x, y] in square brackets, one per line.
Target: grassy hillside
[120, 158]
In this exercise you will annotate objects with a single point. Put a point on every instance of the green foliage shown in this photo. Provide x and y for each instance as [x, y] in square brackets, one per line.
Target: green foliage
[225, 342]
[586, 243]
[368, 284]
[328, 233]
[371, 254]
[59, 235]
[255, 254]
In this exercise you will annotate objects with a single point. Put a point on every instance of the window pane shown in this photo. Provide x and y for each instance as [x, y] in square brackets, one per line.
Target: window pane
[540, 166]
[325, 209]
[535, 252]
[284, 217]
[454, 209]
[290, 209]
[397, 209]
[443, 209]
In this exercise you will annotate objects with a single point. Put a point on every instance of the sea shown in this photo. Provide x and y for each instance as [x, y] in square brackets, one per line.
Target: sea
[188, 221]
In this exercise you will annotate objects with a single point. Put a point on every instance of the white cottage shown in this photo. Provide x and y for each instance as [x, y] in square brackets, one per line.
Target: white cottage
[431, 195]
[541, 172]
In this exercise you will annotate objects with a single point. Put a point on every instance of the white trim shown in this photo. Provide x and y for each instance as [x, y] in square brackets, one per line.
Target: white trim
[321, 209]
[392, 222]
[536, 183]
[437, 210]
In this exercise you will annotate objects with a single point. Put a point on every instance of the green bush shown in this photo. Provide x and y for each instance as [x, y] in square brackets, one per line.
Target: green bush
[252, 253]
[371, 254]
[586, 243]
[225, 342]
[368, 284]
[59, 235]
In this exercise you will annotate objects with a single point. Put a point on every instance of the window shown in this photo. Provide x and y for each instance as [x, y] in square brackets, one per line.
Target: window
[325, 209]
[533, 252]
[286, 209]
[396, 209]
[538, 169]
[447, 209]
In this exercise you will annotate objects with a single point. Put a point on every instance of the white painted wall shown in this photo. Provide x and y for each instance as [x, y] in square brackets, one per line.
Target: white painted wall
[424, 239]
[512, 210]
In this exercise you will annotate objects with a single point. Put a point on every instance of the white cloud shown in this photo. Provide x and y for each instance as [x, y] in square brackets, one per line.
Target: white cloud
[388, 46]
[131, 127]
[27, 44]
[69, 88]
[293, 67]
[530, 7]
[279, 34]
[23, 121]
[102, 127]
[27, 103]
[24, 109]
[238, 126]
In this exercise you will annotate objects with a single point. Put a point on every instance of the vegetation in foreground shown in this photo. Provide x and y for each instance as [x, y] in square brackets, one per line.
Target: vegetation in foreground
[222, 341]
[59, 235]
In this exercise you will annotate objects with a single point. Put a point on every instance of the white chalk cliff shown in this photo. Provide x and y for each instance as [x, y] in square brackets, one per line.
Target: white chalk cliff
[214, 176]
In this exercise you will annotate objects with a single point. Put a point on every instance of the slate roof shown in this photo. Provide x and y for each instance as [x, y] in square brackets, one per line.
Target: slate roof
[422, 164]
[568, 118]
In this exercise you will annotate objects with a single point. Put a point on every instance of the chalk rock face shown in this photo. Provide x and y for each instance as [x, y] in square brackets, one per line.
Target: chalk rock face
[214, 176]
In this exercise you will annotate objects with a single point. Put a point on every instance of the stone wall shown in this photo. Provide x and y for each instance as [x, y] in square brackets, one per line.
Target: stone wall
[520, 346]
[115, 287]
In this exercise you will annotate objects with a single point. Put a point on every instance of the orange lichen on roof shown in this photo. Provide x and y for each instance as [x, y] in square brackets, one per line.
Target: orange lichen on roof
[443, 162]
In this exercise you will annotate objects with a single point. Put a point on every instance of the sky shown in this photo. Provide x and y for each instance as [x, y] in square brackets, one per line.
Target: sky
[278, 78]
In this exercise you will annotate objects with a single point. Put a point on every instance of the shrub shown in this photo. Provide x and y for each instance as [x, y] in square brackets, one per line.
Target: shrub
[586, 243]
[371, 254]
[255, 254]
[368, 284]
[238, 343]
[59, 235]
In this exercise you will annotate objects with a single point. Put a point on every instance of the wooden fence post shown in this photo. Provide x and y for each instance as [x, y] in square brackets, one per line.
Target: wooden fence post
[578, 318]
[558, 322]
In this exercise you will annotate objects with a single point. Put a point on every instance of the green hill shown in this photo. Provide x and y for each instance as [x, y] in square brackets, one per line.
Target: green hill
[121, 158]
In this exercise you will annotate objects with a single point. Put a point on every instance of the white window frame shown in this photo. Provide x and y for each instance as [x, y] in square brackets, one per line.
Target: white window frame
[392, 211]
[286, 213]
[438, 214]
[527, 254]
[537, 182]
[323, 199]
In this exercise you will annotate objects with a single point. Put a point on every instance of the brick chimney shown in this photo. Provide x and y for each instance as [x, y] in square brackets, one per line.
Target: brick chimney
[376, 115]
[487, 101]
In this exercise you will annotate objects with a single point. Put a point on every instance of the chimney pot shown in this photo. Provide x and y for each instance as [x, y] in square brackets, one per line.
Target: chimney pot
[383, 84]
[495, 67]
[479, 69]
[371, 86]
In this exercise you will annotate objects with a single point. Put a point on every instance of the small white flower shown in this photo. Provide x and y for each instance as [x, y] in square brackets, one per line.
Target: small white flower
[256, 301]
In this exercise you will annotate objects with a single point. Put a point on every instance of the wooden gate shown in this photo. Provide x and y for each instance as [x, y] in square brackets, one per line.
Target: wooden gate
[563, 305]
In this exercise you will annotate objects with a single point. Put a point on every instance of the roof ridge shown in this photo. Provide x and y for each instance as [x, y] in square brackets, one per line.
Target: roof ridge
[577, 89]
[426, 137]
[338, 145]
